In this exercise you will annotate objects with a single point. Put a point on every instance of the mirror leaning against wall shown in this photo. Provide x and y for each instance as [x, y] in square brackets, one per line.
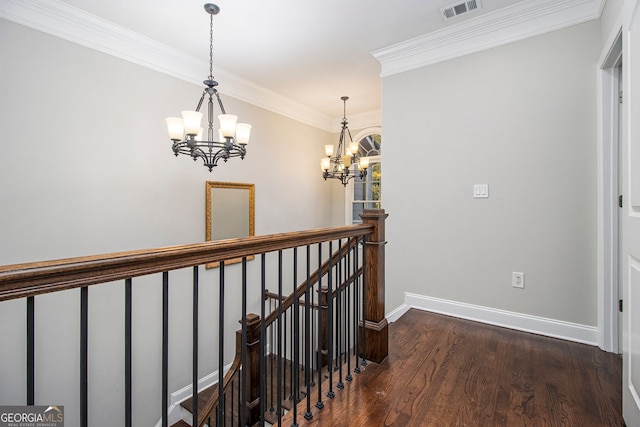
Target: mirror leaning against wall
[230, 213]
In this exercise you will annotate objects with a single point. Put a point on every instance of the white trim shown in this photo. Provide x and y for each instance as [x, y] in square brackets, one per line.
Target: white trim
[517, 22]
[176, 412]
[78, 26]
[397, 313]
[607, 155]
[522, 322]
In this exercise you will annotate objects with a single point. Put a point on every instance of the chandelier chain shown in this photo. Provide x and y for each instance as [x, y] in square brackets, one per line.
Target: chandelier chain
[211, 49]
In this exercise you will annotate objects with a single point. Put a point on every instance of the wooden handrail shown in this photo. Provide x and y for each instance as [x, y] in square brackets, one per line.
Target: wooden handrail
[313, 279]
[36, 278]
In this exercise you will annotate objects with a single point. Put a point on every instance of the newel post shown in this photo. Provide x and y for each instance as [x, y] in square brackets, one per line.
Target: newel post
[253, 368]
[376, 331]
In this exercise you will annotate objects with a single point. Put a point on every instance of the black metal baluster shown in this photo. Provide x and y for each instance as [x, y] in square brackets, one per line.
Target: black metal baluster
[128, 322]
[221, 400]
[263, 342]
[289, 360]
[356, 308]
[84, 350]
[339, 317]
[349, 321]
[307, 336]
[243, 373]
[31, 351]
[284, 337]
[194, 379]
[319, 403]
[165, 349]
[364, 304]
[272, 331]
[296, 339]
[280, 374]
[330, 393]
[314, 333]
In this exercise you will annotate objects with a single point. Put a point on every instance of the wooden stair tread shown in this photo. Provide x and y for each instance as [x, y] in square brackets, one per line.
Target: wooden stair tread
[180, 423]
[203, 397]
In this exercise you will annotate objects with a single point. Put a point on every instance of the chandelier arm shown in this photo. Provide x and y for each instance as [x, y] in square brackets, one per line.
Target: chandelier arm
[210, 112]
[219, 102]
[196, 152]
[204, 93]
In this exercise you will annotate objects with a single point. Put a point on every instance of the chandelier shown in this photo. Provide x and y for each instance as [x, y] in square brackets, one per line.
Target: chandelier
[187, 134]
[346, 163]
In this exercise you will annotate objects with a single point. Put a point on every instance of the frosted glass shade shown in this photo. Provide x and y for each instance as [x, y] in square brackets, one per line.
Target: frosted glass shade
[199, 135]
[364, 162]
[353, 148]
[175, 128]
[228, 125]
[325, 164]
[191, 121]
[243, 132]
[328, 150]
[346, 160]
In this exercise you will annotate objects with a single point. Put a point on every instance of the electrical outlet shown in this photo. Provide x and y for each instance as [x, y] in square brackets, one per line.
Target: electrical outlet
[517, 280]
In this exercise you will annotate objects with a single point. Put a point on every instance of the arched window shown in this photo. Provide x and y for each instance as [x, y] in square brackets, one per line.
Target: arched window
[366, 193]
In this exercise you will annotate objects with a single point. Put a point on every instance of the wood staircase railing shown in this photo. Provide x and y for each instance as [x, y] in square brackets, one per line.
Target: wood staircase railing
[30, 280]
[254, 332]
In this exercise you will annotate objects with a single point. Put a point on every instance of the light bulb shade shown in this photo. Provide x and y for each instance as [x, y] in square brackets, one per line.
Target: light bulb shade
[328, 150]
[243, 132]
[175, 128]
[346, 160]
[199, 135]
[325, 164]
[191, 121]
[228, 125]
[364, 162]
[353, 148]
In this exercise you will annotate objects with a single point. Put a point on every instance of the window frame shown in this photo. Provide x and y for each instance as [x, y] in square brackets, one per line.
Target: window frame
[349, 193]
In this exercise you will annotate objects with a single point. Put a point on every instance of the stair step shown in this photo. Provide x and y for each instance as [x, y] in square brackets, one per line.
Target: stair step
[270, 416]
[203, 398]
[180, 423]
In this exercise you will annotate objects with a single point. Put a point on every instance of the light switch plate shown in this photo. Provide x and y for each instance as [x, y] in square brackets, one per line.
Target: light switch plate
[481, 191]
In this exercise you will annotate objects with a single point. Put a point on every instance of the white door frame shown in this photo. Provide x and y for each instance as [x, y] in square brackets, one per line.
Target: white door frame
[608, 135]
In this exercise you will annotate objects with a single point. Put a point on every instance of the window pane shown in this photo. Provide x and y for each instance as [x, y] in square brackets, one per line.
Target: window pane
[358, 207]
[367, 192]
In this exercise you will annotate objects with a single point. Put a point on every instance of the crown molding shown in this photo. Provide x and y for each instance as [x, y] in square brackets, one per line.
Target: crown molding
[62, 20]
[517, 22]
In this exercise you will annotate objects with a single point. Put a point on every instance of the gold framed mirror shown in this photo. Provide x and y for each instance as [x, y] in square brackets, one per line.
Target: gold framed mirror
[230, 212]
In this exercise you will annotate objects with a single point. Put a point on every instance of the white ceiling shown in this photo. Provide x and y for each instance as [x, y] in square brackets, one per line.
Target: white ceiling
[309, 52]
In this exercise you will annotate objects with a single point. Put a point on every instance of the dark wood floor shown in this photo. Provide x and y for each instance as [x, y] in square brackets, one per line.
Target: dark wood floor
[443, 371]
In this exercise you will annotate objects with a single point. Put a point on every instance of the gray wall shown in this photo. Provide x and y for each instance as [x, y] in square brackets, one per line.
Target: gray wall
[521, 118]
[86, 168]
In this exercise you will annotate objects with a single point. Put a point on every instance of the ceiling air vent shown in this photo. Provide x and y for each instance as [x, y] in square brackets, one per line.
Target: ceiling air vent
[459, 8]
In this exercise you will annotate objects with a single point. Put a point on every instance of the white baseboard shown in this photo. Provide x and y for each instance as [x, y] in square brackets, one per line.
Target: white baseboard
[508, 319]
[397, 313]
[176, 412]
